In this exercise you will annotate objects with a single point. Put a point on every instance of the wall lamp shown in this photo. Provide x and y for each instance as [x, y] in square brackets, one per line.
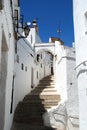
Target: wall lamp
[19, 23]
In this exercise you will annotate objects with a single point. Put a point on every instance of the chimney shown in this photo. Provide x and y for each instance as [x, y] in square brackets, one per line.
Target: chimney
[35, 25]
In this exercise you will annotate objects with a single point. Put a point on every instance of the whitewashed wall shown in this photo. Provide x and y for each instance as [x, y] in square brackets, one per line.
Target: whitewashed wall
[23, 84]
[72, 91]
[33, 37]
[6, 64]
[80, 31]
[61, 70]
[66, 85]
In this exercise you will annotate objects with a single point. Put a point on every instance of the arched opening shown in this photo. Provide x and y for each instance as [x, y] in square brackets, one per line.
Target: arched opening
[3, 78]
[45, 57]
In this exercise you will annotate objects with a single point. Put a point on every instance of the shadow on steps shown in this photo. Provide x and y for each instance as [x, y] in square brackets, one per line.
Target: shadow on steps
[29, 112]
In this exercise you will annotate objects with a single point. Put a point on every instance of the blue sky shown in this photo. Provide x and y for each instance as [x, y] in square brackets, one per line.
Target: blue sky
[49, 14]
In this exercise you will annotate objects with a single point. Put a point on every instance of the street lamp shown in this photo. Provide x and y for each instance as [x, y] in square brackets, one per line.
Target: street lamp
[19, 23]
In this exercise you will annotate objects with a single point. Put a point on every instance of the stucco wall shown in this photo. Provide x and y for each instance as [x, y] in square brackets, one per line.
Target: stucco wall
[80, 29]
[65, 115]
[23, 67]
[33, 37]
[7, 65]
[61, 70]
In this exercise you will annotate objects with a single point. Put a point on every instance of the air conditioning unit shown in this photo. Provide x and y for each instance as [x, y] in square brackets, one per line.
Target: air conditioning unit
[17, 12]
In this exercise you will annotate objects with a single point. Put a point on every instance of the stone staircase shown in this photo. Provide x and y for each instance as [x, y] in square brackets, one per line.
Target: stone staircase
[29, 112]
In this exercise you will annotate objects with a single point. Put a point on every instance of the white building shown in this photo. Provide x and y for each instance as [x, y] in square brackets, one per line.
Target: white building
[25, 61]
[7, 45]
[65, 115]
[80, 30]
[30, 67]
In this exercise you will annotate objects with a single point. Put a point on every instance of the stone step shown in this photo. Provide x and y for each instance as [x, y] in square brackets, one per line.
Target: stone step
[22, 126]
[37, 102]
[46, 83]
[30, 120]
[28, 107]
[47, 93]
[45, 86]
[44, 90]
[48, 77]
[43, 97]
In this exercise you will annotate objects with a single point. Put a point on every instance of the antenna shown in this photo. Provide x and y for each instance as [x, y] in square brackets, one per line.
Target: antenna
[59, 29]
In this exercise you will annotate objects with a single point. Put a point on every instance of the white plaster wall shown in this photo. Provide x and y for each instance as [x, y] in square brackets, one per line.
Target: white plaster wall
[72, 82]
[72, 91]
[80, 28]
[66, 84]
[23, 77]
[61, 71]
[33, 37]
[7, 26]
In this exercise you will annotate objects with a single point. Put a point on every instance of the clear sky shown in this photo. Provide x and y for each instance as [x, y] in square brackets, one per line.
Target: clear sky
[50, 14]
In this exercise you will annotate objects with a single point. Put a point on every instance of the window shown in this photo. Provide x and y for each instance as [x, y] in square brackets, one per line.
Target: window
[38, 56]
[12, 95]
[41, 56]
[26, 68]
[41, 65]
[22, 66]
[31, 39]
[37, 74]
[17, 58]
[1, 5]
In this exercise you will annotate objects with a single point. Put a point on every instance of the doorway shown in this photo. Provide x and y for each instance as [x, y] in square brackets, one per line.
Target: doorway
[32, 77]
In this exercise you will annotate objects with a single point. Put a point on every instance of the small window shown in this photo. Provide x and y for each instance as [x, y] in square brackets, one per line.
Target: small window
[17, 58]
[37, 74]
[22, 66]
[41, 65]
[1, 5]
[41, 56]
[26, 68]
[38, 56]
[31, 39]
